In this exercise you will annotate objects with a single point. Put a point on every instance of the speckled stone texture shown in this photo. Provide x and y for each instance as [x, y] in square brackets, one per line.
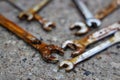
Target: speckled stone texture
[19, 61]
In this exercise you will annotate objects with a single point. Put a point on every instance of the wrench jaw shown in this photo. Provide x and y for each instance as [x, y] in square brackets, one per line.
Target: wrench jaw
[93, 22]
[81, 26]
[69, 44]
[48, 26]
[74, 46]
[67, 65]
[26, 15]
[47, 53]
[70, 64]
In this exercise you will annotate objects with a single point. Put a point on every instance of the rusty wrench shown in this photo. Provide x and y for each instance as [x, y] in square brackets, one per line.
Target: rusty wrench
[44, 49]
[70, 64]
[90, 20]
[81, 44]
[107, 10]
[29, 14]
[32, 14]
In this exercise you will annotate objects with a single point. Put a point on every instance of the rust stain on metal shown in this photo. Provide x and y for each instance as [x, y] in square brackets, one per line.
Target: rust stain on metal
[73, 60]
[33, 10]
[31, 14]
[70, 63]
[44, 49]
[107, 10]
[81, 44]
[46, 24]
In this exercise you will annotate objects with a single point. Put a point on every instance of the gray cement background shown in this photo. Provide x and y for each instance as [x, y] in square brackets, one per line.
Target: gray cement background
[19, 61]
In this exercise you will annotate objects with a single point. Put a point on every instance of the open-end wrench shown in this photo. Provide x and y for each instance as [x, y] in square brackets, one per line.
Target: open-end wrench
[90, 20]
[107, 10]
[32, 14]
[29, 14]
[45, 49]
[69, 64]
[81, 44]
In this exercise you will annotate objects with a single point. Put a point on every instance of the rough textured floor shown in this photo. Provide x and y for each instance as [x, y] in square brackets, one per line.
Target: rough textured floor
[19, 61]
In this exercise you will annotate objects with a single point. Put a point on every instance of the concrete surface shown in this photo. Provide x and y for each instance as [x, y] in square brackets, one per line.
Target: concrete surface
[19, 61]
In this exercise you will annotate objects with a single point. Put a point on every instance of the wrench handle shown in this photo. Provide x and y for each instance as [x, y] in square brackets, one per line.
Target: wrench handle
[29, 38]
[100, 34]
[39, 18]
[84, 9]
[95, 50]
[106, 11]
[39, 6]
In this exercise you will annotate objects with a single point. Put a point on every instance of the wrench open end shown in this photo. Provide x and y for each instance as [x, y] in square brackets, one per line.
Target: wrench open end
[26, 15]
[48, 26]
[75, 46]
[68, 43]
[81, 26]
[93, 22]
[79, 48]
[47, 53]
[67, 65]
[70, 64]
[45, 50]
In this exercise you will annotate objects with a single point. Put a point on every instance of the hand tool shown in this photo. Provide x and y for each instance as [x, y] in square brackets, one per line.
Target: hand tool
[31, 14]
[115, 4]
[45, 49]
[69, 64]
[81, 44]
[90, 20]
